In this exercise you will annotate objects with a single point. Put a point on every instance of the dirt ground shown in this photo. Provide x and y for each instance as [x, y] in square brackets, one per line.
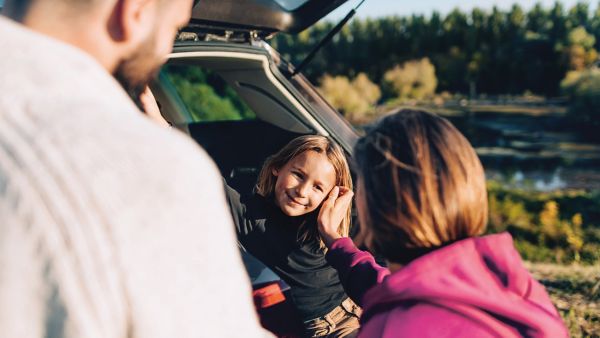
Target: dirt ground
[575, 291]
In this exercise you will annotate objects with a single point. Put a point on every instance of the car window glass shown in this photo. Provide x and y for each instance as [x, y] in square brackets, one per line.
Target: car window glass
[206, 95]
[291, 5]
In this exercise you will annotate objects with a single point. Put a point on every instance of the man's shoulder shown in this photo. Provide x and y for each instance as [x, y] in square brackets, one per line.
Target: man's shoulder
[35, 65]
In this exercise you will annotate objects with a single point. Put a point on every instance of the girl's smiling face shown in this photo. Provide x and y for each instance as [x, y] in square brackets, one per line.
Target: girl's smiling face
[303, 183]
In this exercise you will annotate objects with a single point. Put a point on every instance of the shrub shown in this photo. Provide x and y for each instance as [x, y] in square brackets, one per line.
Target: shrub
[583, 90]
[369, 91]
[412, 80]
[535, 253]
[506, 212]
[353, 98]
[543, 229]
[580, 49]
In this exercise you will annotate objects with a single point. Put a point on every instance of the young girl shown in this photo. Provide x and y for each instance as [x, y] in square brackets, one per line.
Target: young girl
[278, 225]
[422, 202]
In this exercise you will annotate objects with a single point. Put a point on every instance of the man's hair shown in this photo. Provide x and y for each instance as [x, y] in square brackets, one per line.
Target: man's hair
[265, 185]
[422, 186]
[17, 9]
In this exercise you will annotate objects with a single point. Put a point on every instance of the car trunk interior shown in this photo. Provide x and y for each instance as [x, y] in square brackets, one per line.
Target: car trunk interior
[239, 147]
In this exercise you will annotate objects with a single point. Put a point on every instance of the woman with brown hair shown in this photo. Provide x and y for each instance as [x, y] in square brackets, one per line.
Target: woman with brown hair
[422, 203]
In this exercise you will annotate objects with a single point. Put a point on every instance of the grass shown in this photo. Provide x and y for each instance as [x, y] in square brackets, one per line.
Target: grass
[575, 291]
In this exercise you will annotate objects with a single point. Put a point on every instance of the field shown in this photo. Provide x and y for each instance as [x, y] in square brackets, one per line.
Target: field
[575, 291]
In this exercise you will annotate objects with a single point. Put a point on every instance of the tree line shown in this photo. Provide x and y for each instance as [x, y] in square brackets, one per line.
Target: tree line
[492, 52]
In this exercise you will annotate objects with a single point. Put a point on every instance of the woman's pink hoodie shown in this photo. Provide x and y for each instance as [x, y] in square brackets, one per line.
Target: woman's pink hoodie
[477, 287]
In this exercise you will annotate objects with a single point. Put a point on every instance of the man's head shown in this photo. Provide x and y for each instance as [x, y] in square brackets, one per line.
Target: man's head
[130, 38]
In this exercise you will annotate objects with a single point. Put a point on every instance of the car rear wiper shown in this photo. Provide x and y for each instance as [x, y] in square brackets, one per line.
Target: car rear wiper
[326, 40]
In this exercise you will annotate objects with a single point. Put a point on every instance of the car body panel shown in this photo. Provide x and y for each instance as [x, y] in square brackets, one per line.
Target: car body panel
[263, 16]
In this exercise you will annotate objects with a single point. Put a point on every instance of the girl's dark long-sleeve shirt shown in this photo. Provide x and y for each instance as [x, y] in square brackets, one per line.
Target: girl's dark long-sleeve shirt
[271, 236]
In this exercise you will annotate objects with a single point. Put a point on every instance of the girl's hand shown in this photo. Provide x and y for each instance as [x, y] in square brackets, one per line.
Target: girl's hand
[332, 213]
[151, 107]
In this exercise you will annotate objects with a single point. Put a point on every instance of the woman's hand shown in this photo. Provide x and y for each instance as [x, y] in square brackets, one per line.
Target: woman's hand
[332, 213]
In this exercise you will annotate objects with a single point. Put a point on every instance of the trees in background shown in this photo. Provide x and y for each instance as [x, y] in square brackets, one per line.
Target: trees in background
[492, 52]
[583, 89]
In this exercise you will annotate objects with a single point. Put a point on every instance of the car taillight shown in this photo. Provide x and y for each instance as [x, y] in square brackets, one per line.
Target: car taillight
[268, 295]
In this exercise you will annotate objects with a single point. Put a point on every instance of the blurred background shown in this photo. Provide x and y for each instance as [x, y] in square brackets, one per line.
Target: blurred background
[522, 81]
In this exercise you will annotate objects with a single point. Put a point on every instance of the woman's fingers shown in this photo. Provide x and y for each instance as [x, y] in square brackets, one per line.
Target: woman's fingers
[345, 197]
[343, 190]
[329, 202]
[339, 197]
[328, 207]
[333, 212]
[333, 195]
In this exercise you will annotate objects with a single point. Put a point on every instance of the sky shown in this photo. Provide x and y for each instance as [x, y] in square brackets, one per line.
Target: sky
[379, 8]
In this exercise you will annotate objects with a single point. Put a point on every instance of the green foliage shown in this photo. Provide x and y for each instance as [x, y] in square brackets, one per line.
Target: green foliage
[583, 90]
[207, 96]
[414, 79]
[369, 91]
[495, 51]
[580, 37]
[542, 231]
[506, 212]
[580, 52]
[353, 98]
[536, 253]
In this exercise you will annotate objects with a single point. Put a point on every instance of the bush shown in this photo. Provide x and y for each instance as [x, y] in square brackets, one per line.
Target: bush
[583, 90]
[535, 253]
[559, 227]
[580, 49]
[353, 98]
[369, 91]
[412, 80]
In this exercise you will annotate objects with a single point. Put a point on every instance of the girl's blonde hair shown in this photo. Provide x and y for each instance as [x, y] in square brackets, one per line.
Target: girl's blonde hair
[422, 186]
[265, 185]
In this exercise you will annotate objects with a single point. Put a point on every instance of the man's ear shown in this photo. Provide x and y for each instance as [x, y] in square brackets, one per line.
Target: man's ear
[132, 21]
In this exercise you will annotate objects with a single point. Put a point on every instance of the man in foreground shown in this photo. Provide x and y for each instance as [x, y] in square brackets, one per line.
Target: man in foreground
[110, 225]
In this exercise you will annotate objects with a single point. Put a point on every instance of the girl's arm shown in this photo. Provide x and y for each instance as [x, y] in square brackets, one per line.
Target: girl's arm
[357, 269]
[238, 210]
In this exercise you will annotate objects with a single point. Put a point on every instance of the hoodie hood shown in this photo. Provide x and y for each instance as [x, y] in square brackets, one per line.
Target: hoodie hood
[482, 279]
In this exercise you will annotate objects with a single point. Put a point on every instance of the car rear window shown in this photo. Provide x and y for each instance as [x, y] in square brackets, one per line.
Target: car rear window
[291, 5]
[206, 95]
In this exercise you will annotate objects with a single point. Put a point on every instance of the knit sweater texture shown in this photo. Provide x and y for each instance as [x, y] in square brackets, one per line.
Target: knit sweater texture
[110, 225]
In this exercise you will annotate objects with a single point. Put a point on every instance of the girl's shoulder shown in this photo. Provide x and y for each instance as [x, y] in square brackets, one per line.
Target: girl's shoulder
[243, 200]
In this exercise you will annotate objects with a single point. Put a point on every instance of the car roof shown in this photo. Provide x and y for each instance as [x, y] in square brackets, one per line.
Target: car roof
[263, 16]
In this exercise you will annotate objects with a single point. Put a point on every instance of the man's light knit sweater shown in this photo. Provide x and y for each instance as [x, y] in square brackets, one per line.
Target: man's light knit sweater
[110, 226]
